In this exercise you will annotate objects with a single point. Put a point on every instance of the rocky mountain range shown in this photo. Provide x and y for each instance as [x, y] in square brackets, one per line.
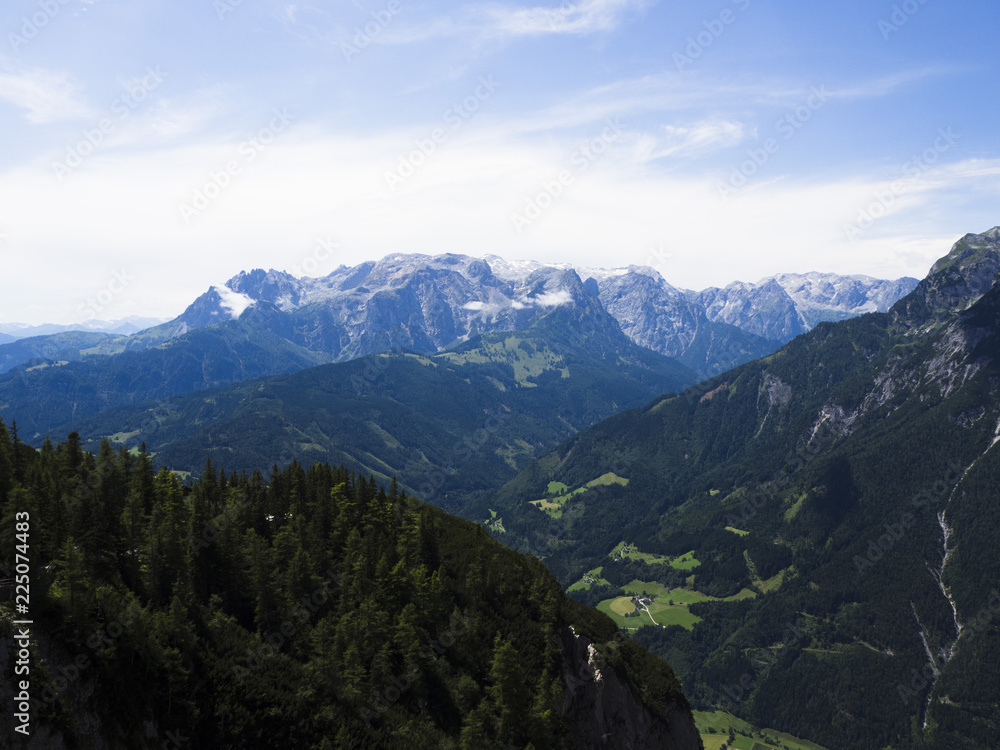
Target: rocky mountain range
[429, 303]
[267, 323]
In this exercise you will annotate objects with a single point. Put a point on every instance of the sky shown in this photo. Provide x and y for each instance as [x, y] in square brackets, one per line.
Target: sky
[153, 148]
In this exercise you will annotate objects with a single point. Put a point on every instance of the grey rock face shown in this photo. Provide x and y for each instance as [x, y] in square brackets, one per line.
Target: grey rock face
[429, 303]
[604, 713]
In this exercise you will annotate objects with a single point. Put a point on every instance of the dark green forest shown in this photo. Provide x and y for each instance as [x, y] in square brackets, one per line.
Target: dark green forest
[311, 609]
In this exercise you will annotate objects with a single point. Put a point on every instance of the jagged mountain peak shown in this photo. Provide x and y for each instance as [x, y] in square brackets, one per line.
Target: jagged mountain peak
[955, 282]
[971, 251]
[856, 293]
[277, 287]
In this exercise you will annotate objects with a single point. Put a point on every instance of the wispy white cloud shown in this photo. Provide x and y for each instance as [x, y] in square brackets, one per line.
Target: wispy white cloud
[584, 17]
[46, 96]
[887, 84]
[503, 22]
[689, 141]
[182, 115]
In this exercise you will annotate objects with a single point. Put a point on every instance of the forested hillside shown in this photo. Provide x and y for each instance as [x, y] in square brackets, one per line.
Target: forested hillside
[315, 609]
[445, 425]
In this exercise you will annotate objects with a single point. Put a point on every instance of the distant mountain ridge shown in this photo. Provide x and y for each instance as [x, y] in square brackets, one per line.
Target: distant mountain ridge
[428, 303]
[268, 323]
[122, 327]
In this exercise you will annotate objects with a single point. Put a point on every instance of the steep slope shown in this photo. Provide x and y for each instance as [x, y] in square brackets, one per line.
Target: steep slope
[667, 320]
[457, 422]
[830, 510]
[312, 611]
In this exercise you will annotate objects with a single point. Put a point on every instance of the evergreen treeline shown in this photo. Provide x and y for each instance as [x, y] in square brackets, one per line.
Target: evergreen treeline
[312, 610]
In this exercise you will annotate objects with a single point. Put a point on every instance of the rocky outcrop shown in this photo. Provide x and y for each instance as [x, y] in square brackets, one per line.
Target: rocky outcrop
[604, 712]
[954, 283]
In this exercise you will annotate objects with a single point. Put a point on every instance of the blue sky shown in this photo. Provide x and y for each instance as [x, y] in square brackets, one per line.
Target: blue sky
[153, 148]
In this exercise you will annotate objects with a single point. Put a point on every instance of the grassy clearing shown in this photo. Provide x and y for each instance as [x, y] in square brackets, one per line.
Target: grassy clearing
[738, 532]
[527, 361]
[590, 578]
[794, 509]
[654, 590]
[622, 605]
[793, 742]
[686, 561]
[667, 615]
[495, 523]
[554, 506]
[607, 479]
[557, 494]
[121, 437]
[667, 606]
[774, 582]
[629, 623]
[720, 721]
[626, 551]
[714, 727]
